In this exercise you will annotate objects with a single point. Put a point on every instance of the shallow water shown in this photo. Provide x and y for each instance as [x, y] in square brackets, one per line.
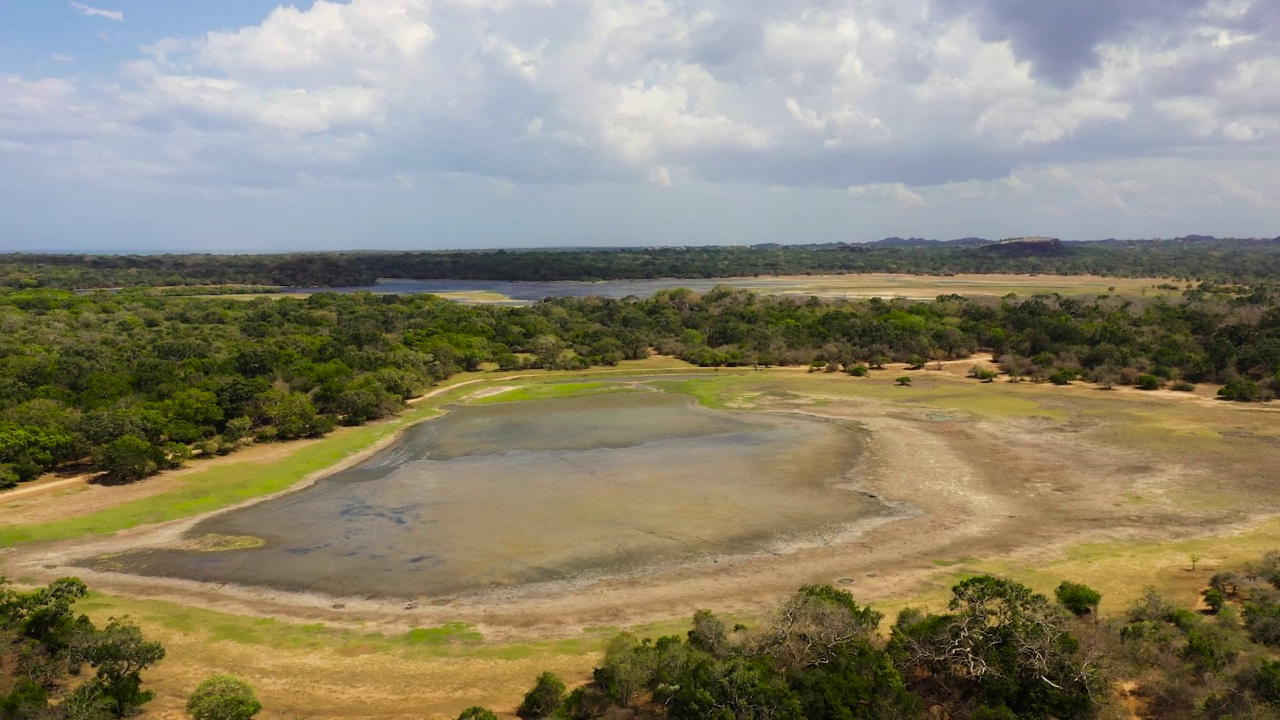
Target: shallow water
[501, 495]
[532, 291]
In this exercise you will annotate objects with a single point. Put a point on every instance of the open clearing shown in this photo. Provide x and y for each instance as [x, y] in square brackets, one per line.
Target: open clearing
[1041, 483]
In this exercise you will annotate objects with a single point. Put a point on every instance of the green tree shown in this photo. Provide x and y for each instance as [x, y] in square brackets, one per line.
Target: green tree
[1266, 681]
[1214, 599]
[223, 697]
[476, 712]
[904, 381]
[627, 668]
[859, 682]
[127, 459]
[1078, 599]
[544, 698]
[1000, 645]
[291, 414]
[120, 654]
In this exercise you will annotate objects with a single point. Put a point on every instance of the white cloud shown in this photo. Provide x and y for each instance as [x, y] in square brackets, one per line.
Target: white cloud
[115, 15]
[903, 197]
[1237, 188]
[905, 106]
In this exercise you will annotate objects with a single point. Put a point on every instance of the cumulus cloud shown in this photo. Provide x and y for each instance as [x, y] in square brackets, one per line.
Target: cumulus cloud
[891, 99]
[114, 15]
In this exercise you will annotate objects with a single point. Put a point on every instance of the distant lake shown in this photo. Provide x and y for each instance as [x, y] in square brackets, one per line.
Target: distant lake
[525, 292]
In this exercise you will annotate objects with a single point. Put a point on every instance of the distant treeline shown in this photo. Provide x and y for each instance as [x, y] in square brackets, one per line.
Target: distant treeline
[132, 382]
[1220, 260]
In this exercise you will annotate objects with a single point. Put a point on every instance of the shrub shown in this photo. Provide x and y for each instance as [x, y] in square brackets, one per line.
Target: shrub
[1240, 389]
[1062, 376]
[858, 370]
[1149, 382]
[903, 381]
[1183, 386]
[1079, 599]
[477, 713]
[223, 697]
[1266, 681]
[544, 698]
[982, 374]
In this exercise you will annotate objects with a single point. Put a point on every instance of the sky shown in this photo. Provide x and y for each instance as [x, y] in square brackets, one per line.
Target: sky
[250, 126]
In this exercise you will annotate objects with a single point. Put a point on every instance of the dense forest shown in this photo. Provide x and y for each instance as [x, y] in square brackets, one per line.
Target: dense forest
[998, 652]
[1186, 259]
[128, 383]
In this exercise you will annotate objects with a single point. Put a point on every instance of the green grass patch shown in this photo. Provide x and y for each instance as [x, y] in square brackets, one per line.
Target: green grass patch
[445, 634]
[216, 487]
[554, 390]
[720, 392]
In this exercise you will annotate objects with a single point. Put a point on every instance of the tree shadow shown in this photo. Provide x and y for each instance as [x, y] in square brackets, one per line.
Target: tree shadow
[106, 480]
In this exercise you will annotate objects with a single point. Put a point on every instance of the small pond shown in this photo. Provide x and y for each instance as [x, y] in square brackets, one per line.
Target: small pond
[513, 493]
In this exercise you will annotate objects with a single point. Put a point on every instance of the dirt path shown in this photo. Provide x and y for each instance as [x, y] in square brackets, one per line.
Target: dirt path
[44, 487]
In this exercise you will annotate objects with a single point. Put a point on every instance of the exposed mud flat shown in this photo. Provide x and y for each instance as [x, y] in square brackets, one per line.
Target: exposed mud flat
[507, 495]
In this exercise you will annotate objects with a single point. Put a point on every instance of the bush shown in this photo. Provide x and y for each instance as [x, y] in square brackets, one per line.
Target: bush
[1183, 386]
[1266, 681]
[1208, 650]
[1079, 599]
[223, 697]
[207, 448]
[903, 381]
[1149, 382]
[546, 696]
[1214, 599]
[1062, 376]
[1240, 389]
[477, 713]
[858, 370]
[982, 374]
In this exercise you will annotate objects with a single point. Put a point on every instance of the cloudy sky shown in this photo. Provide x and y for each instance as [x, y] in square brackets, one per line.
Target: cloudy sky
[244, 125]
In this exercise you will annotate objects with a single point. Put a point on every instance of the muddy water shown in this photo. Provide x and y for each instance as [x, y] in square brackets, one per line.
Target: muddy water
[507, 494]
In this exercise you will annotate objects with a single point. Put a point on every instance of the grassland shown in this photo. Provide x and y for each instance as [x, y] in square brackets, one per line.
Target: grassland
[327, 668]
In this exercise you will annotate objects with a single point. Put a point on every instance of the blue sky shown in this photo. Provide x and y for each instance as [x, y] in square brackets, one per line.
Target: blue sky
[246, 126]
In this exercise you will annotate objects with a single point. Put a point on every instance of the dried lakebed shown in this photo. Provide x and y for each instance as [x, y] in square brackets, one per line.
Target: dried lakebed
[514, 494]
